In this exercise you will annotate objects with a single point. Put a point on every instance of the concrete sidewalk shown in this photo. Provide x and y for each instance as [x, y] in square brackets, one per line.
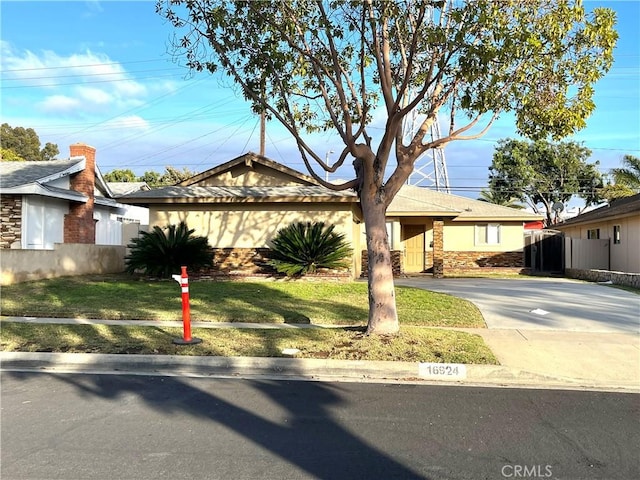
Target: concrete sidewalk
[537, 359]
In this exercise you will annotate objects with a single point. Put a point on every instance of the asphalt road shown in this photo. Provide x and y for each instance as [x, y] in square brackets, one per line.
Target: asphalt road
[79, 426]
[543, 303]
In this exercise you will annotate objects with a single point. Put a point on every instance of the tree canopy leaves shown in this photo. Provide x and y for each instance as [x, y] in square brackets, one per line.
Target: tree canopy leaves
[171, 176]
[542, 173]
[318, 65]
[23, 144]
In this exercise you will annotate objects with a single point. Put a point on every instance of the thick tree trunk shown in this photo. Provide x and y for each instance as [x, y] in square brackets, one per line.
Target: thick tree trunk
[383, 316]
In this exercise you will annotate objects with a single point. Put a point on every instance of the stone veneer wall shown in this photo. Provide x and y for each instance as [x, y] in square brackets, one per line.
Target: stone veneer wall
[438, 249]
[11, 220]
[251, 262]
[245, 260]
[396, 261]
[475, 260]
[617, 278]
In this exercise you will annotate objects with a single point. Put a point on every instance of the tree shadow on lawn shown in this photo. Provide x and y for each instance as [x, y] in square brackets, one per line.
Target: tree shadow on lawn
[262, 302]
[312, 439]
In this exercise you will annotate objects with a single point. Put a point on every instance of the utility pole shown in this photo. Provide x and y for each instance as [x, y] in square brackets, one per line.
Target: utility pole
[263, 121]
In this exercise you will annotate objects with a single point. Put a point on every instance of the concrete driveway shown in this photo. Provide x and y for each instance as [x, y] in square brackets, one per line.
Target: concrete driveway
[542, 303]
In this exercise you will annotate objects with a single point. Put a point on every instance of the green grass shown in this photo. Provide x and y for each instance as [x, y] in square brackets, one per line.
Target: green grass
[415, 344]
[317, 302]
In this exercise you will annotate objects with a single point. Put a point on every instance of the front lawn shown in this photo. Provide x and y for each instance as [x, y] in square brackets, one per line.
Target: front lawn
[412, 344]
[317, 302]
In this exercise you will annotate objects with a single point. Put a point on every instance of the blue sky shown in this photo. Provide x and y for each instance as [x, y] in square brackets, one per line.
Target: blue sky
[100, 73]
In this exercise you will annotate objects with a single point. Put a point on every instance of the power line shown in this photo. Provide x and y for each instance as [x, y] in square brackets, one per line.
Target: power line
[78, 66]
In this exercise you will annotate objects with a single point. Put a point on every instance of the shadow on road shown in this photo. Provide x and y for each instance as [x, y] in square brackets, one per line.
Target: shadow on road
[309, 437]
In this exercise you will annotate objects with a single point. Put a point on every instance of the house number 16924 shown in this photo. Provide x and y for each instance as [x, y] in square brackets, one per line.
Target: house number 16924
[443, 371]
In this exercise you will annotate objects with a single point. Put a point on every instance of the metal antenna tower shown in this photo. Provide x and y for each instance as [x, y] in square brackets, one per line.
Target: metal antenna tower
[431, 167]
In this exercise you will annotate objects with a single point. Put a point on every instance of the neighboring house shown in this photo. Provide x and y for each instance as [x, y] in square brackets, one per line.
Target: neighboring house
[58, 201]
[614, 227]
[241, 204]
[131, 213]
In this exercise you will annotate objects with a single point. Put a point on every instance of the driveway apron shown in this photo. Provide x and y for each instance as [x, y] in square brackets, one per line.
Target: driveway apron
[542, 303]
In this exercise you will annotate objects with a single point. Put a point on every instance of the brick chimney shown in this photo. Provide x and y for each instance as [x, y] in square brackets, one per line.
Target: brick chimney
[79, 225]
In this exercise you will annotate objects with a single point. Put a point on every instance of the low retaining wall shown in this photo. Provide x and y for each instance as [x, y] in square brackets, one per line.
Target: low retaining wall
[617, 278]
[65, 259]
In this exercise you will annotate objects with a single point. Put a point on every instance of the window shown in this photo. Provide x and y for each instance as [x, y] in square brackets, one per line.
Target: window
[390, 234]
[616, 234]
[488, 234]
[593, 234]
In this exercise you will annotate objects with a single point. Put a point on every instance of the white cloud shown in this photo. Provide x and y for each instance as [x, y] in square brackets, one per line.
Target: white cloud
[94, 79]
[132, 122]
[60, 104]
[94, 96]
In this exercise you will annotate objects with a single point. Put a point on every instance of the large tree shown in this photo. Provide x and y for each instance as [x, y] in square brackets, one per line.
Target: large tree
[335, 65]
[121, 175]
[19, 144]
[543, 173]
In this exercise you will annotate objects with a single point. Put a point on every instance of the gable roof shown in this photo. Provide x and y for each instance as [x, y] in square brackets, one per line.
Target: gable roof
[621, 207]
[249, 159]
[420, 201]
[31, 178]
[18, 174]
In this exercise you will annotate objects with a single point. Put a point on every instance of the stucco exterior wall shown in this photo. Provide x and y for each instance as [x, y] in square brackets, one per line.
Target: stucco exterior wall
[252, 226]
[624, 256]
[66, 259]
[461, 237]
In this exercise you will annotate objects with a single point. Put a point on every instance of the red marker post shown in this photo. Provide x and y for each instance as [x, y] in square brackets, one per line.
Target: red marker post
[186, 339]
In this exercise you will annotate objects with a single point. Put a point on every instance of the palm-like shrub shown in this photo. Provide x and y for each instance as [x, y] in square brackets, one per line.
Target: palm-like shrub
[163, 251]
[303, 248]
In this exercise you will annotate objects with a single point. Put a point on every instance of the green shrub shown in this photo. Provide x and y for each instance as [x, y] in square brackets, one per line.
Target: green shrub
[163, 251]
[303, 248]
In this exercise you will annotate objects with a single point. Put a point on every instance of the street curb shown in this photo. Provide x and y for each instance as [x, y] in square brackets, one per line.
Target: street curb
[285, 368]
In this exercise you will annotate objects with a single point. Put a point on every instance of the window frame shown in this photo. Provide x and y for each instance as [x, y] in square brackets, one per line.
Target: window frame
[617, 237]
[593, 234]
[487, 234]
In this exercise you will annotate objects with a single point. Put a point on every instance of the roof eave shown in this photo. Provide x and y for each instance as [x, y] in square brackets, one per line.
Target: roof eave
[37, 189]
[187, 200]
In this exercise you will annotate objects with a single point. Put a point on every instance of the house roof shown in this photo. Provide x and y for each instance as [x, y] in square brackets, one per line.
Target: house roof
[420, 201]
[249, 159]
[180, 194]
[122, 188]
[32, 178]
[621, 207]
[17, 174]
